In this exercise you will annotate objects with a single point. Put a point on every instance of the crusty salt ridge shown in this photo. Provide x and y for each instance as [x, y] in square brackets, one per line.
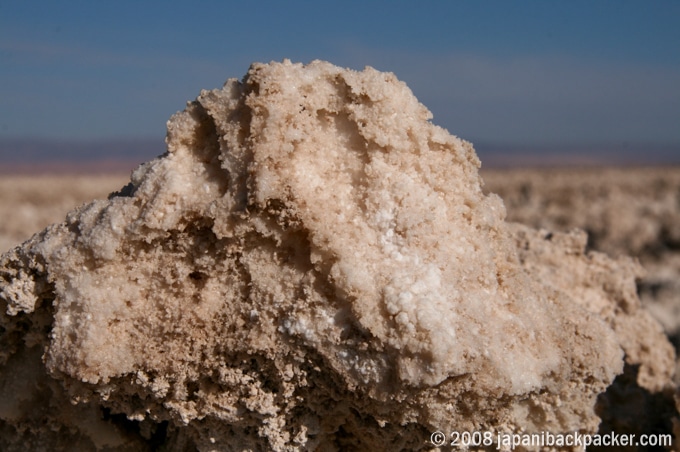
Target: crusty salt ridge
[312, 264]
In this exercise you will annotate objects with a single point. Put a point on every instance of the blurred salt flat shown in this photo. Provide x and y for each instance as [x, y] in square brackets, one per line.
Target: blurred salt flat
[30, 203]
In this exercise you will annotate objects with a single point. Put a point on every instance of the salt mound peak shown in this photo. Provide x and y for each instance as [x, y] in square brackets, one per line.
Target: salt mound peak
[313, 263]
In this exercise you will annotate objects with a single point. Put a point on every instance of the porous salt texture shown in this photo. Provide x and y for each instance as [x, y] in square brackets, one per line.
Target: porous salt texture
[312, 264]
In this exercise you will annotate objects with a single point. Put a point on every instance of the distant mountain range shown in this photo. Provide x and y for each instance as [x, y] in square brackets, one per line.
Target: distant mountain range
[123, 155]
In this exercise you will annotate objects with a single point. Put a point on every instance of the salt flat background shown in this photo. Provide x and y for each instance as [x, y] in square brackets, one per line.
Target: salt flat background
[30, 203]
[626, 211]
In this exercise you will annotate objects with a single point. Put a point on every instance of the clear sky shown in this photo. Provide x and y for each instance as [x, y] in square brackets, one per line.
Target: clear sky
[503, 72]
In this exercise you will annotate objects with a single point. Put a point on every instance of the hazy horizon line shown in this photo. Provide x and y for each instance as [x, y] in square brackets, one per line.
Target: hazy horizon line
[44, 155]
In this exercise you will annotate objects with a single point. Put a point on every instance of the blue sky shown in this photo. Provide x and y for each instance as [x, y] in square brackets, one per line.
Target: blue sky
[509, 73]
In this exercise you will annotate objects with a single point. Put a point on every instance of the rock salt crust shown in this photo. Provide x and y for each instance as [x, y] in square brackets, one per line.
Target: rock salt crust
[311, 266]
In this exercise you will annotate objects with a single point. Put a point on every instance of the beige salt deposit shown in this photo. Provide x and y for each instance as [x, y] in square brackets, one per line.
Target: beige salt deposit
[312, 265]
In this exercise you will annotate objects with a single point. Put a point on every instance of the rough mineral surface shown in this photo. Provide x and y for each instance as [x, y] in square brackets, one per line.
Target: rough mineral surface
[625, 211]
[312, 265]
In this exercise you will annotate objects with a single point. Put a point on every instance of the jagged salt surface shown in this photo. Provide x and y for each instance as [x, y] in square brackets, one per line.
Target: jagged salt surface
[311, 264]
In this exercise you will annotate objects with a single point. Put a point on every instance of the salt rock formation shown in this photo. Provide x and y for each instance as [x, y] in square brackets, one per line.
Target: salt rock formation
[311, 265]
[634, 211]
